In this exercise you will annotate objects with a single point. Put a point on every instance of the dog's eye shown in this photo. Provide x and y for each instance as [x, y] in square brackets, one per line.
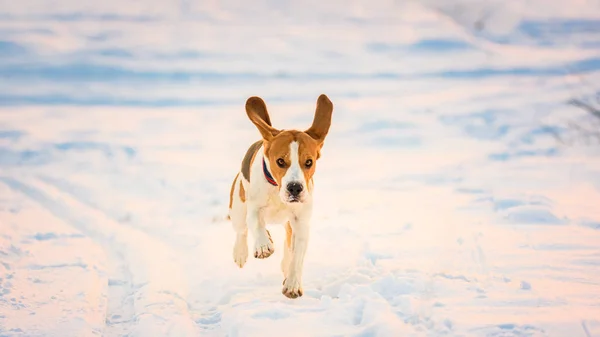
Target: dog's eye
[280, 162]
[308, 163]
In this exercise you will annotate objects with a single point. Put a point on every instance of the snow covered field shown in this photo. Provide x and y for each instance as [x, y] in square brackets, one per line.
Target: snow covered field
[445, 204]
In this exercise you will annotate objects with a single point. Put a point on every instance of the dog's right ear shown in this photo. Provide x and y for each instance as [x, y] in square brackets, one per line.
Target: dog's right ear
[257, 112]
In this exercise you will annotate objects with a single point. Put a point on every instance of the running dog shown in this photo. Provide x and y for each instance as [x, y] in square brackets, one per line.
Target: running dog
[274, 186]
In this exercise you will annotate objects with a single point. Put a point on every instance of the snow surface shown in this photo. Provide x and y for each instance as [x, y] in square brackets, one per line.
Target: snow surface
[452, 196]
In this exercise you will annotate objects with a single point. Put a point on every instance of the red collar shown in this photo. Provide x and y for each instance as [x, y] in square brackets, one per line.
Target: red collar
[268, 175]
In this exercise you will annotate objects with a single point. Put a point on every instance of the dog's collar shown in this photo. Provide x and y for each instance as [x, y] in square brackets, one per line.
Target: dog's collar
[268, 175]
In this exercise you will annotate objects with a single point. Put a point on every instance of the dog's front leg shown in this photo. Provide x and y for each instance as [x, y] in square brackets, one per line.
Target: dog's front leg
[292, 285]
[263, 244]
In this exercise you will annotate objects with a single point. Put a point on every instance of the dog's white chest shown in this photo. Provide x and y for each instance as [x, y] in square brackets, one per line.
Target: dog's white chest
[276, 212]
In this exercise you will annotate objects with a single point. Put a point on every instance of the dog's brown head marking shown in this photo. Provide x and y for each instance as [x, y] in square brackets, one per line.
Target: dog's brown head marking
[291, 154]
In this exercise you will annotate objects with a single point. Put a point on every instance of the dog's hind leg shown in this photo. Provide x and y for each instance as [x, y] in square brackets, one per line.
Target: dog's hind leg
[237, 214]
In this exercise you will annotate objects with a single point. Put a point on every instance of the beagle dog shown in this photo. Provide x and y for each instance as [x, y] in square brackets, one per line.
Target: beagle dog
[274, 186]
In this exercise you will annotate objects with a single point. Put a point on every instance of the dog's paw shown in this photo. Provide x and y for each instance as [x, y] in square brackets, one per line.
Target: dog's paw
[263, 246]
[292, 288]
[240, 252]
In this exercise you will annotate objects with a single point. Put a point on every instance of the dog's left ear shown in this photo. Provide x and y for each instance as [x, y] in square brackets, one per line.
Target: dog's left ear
[322, 121]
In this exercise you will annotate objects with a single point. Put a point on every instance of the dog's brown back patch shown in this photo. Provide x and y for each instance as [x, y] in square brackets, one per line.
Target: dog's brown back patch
[232, 189]
[248, 158]
[242, 192]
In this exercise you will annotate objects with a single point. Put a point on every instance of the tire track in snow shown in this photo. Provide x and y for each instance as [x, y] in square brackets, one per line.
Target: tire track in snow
[206, 318]
[120, 308]
[78, 192]
[151, 299]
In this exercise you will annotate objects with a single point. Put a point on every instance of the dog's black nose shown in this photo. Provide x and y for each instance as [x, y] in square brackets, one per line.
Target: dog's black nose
[294, 188]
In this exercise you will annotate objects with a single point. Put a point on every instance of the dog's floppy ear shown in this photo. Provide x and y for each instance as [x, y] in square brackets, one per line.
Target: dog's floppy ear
[257, 112]
[322, 121]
